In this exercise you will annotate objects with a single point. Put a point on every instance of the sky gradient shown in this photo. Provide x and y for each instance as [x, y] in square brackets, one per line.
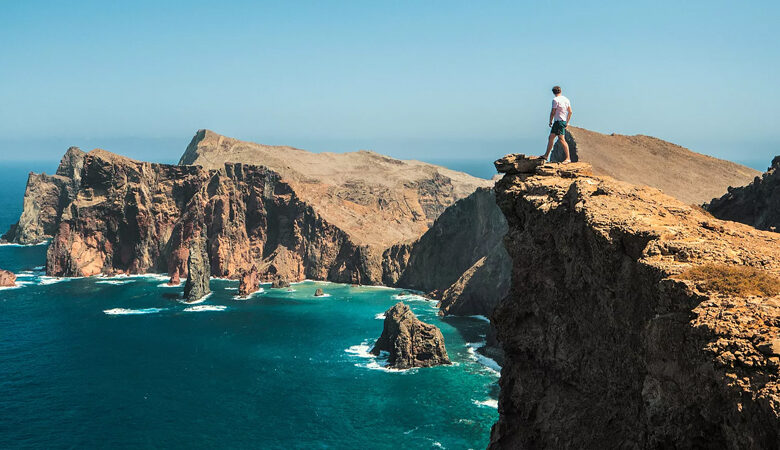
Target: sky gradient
[425, 80]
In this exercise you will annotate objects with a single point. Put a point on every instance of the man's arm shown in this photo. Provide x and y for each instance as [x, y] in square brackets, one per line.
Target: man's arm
[552, 114]
[568, 118]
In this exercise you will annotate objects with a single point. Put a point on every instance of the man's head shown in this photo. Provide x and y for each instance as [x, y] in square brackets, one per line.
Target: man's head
[556, 90]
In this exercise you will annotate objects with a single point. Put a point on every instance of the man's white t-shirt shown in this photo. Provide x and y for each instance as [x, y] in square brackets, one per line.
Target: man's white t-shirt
[561, 106]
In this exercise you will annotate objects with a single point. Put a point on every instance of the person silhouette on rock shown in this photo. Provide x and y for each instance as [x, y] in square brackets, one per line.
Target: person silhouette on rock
[560, 115]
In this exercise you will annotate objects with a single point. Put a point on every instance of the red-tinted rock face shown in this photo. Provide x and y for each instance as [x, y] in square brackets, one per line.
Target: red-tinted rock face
[7, 279]
[249, 282]
[136, 217]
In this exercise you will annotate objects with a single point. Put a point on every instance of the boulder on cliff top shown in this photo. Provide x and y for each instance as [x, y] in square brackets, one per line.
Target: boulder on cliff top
[409, 341]
[7, 279]
[199, 269]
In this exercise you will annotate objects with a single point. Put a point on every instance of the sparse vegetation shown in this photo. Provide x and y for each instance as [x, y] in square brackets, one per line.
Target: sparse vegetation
[733, 280]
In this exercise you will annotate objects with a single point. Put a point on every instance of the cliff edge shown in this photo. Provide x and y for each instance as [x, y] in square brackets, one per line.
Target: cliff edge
[757, 204]
[624, 325]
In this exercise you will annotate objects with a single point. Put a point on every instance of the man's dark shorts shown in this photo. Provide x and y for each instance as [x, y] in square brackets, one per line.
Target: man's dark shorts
[559, 128]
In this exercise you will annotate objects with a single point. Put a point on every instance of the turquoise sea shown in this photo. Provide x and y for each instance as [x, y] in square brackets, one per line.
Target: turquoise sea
[120, 362]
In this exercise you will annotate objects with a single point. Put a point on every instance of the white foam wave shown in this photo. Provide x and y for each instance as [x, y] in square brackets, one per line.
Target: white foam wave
[166, 285]
[114, 281]
[480, 317]
[247, 297]
[490, 403]
[125, 311]
[8, 288]
[488, 363]
[323, 295]
[46, 280]
[375, 362]
[13, 244]
[201, 308]
[380, 316]
[201, 300]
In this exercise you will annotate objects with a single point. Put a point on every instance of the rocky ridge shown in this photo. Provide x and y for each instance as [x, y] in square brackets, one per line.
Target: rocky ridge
[44, 199]
[757, 204]
[409, 341]
[607, 343]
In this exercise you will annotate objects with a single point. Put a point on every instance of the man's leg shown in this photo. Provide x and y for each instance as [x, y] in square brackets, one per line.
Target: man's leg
[550, 142]
[562, 140]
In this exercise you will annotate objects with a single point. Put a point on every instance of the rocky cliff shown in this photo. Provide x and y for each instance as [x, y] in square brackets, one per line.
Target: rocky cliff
[199, 269]
[757, 204]
[44, 199]
[460, 260]
[135, 217]
[612, 337]
[409, 341]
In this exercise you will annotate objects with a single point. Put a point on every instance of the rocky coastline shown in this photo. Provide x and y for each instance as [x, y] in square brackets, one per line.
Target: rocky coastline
[608, 340]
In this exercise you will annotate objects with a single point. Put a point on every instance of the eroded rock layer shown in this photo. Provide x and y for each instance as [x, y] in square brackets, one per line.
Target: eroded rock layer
[409, 341]
[136, 217]
[607, 343]
[44, 199]
[757, 204]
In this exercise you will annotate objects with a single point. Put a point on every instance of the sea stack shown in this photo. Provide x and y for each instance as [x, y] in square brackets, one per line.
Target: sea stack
[7, 279]
[249, 282]
[197, 285]
[319, 292]
[410, 342]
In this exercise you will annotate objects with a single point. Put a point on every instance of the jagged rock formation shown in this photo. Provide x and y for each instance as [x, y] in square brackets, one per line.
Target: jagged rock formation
[607, 343]
[136, 217]
[44, 199]
[757, 204]
[319, 292]
[249, 282]
[460, 260]
[376, 200]
[7, 279]
[644, 160]
[410, 342]
[280, 283]
[199, 270]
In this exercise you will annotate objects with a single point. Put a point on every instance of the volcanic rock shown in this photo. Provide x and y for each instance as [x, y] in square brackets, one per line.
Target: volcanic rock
[607, 343]
[249, 282]
[7, 279]
[197, 285]
[757, 204]
[44, 200]
[280, 283]
[410, 342]
[319, 292]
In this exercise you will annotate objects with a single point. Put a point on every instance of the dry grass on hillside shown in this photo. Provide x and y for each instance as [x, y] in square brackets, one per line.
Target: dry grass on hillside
[733, 280]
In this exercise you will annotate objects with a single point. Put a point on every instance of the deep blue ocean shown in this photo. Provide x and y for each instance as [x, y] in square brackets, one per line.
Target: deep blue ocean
[119, 362]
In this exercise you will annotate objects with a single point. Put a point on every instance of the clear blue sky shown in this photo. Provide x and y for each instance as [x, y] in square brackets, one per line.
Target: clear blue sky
[427, 80]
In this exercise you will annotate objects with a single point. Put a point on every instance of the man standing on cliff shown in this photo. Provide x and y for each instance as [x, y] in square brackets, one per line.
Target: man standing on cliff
[560, 115]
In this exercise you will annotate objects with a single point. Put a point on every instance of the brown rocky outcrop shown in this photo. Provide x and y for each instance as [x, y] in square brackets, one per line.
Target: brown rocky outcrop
[7, 279]
[198, 268]
[280, 283]
[757, 204]
[607, 343]
[461, 257]
[410, 342]
[44, 199]
[645, 160]
[137, 217]
[249, 282]
[319, 292]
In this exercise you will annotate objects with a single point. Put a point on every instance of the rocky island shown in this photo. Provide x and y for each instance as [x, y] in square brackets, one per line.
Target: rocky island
[7, 279]
[619, 330]
[410, 342]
